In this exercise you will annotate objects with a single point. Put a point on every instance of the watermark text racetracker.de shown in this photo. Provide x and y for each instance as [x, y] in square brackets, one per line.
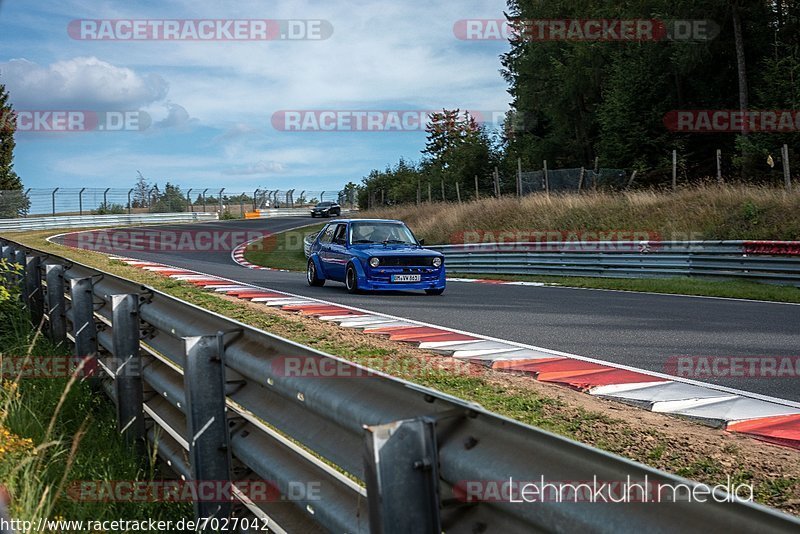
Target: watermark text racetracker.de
[375, 120]
[121, 241]
[63, 120]
[320, 367]
[699, 367]
[200, 29]
[590, 30]
[726, 120]
[559, 240]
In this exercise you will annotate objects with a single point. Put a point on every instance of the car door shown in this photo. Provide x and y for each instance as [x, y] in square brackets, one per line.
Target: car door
[338, 253]
[324, 252]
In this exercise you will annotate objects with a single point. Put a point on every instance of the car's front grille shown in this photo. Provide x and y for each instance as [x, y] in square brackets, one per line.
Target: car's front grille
[410, 261]
[427, 274]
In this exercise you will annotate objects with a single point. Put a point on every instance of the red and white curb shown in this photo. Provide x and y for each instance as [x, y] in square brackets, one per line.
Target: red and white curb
[766, 418]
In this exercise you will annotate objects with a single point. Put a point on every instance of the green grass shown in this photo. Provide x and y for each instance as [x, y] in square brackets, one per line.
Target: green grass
[673, 286]
[57, 431]
[281, 251]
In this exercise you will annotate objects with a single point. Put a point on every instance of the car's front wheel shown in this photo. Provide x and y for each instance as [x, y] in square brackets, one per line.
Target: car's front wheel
[312, 276]
[351, 279]
[434, 291]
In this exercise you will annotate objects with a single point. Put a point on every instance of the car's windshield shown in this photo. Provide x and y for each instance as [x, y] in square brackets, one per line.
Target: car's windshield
[324, 204]
[381, 232]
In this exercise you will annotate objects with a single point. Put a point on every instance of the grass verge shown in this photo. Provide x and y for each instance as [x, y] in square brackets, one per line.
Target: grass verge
[283, 250]
[55, 432]
[670, 444]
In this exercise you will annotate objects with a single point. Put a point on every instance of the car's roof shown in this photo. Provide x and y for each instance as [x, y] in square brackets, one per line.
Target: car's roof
[367, 220]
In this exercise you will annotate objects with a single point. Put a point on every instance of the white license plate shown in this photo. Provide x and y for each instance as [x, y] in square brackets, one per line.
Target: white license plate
[406, 278]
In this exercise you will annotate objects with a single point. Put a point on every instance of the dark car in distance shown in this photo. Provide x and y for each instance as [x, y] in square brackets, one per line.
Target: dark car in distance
[326, 209]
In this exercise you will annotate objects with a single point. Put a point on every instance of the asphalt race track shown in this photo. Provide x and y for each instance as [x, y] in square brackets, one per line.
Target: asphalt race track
[635, 329]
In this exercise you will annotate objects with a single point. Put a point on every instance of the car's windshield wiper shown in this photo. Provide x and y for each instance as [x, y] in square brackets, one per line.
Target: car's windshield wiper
[363, 241]
[386, 242]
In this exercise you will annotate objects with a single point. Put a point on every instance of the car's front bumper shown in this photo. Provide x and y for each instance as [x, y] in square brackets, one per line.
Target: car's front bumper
[380, 279]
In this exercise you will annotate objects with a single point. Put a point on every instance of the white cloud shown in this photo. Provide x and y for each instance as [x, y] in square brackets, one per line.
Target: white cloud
[80, 83]
[260, 167]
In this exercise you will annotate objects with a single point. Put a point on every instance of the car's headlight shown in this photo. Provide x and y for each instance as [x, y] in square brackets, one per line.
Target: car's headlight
[374, 262]
[437, 262]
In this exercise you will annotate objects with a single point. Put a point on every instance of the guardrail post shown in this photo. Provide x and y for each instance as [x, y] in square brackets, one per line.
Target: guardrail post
[34, 297]
[56, 304]
[402, 476]
[209, 440]
[84, 329]
[8, 257]
[19, 277]
[128, 369]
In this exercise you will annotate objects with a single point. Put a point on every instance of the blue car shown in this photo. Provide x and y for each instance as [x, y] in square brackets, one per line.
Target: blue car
[374, 255]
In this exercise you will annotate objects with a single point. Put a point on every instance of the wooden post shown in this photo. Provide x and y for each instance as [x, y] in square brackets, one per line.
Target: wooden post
[382, 198]
[519, 177]
[458, 193]
[787, 175]
[632, 178]
[419, 193]
[546, 179]
[674, 169]
[430, 198]
[477, 191]
[580, 180]
[719, 166]
[597, 164]
[496, 183]
[443, 197]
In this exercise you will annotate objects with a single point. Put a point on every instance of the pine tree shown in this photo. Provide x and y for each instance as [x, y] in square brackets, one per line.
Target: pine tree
[13, 201]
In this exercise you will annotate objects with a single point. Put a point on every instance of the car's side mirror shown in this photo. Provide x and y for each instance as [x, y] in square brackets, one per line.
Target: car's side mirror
[422, 242]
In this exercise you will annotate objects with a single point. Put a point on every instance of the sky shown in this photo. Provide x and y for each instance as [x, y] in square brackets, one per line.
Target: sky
[213, 113]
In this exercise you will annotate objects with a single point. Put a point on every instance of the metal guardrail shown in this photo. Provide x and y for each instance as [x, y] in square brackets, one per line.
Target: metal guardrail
[83, 221]
[763, 261]
[209, 392]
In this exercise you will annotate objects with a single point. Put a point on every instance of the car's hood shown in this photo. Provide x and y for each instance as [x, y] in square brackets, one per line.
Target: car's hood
[395, 250]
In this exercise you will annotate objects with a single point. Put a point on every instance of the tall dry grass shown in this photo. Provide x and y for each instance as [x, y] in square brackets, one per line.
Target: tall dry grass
[708, 212]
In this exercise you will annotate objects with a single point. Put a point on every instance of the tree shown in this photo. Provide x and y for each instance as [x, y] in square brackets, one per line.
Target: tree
[141, 192]
[171, 200]
[13, 201]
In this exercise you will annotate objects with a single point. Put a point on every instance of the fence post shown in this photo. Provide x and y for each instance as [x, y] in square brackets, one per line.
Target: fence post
[34, 297]
[84, 329]
[458, 193]
[129, 201]
[54, 199]
[496, 183]
[80, 200]
[221, 206]
[787, 175]
[430, 198]
[519, 177]
[477, 191]
[580, 179]
[674, 169]
[546, 179]
[401, 473]
[444, 199]
[419, 192]
[719, 166]
[56, 304]
[632, 178]
[207, 427]
[105, 198]
[128, 369]
[204, 200]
